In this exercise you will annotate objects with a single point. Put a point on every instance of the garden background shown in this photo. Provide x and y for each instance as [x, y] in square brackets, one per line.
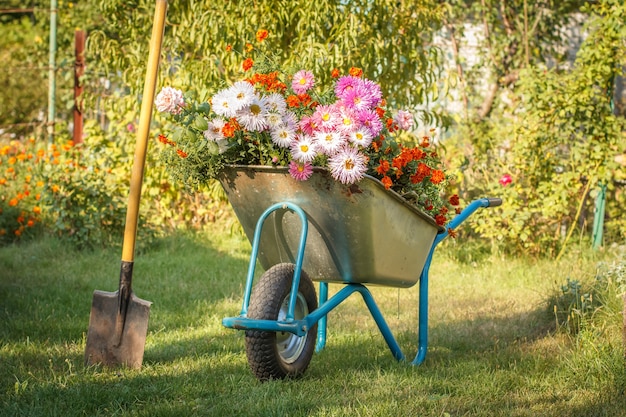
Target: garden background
[527, 102]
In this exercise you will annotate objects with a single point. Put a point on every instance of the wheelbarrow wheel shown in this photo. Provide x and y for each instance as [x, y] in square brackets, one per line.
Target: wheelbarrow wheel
[279, 355]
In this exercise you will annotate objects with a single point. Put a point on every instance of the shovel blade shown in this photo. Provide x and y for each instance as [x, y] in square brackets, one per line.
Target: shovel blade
[104, 344]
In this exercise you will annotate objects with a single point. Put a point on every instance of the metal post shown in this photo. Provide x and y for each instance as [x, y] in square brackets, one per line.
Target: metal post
[52, 70]
[79, 70]
[598, 217]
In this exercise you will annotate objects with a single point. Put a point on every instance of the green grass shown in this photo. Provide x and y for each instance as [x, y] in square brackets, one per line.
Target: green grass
[493, 348]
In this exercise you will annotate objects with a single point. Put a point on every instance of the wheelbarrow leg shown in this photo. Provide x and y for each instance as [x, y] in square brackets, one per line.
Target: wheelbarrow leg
[321, 324]
[422, 329]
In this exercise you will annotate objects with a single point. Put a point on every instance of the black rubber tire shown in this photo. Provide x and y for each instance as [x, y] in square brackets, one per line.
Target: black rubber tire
[280, 355]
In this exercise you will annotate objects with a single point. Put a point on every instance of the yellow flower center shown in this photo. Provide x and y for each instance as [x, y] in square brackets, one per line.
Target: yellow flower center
[304, 148]
[329, 137]
[348, 164]
[359, 136]
[326, 117]
[302, 81]
[255, 109]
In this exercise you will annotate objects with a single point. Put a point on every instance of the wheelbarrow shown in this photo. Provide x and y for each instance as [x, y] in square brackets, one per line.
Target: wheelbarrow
[324, 231]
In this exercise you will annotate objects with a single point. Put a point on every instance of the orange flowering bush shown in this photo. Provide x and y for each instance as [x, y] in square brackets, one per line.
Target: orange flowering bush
[20, 191]
[57, 187]
[281, 117]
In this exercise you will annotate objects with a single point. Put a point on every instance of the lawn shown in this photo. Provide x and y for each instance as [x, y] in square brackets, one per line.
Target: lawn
[494, 348]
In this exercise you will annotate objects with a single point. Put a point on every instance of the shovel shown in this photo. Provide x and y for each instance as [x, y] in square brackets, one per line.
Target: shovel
[118, 322]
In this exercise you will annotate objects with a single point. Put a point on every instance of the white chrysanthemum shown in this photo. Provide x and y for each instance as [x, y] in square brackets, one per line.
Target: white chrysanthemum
[223, 104]
[290, 119]
[243, 94]
[276, 103]
[348, 165]
[361, 137]
[214, 131]
[329, 142]
[303, 149]
[283, 135]
[252, 117]
[273, 119]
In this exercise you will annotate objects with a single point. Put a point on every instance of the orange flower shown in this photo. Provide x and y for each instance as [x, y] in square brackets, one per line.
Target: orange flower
[18, 233]
[30, 223]
[387, 182]
[181, 153]
[437, 176]
[12, 160]
[335, 73]
[55, 188]
[293, 101]
[451, 233]
[247, 64]
[37, 210]
[3, 181]
[249, 47]
[229, 48]
[383, 167]
[13, 202]
[355, 72]
[261, 34]
[229, 130]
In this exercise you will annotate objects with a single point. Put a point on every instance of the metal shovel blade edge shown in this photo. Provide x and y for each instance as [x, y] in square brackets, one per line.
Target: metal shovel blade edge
[105, 345]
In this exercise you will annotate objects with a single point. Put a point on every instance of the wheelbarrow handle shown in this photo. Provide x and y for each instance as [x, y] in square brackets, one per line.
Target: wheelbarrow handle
[467, 211]
[494, 201]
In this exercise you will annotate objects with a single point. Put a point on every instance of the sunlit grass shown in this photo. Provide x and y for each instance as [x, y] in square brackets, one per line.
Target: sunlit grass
[494, 349]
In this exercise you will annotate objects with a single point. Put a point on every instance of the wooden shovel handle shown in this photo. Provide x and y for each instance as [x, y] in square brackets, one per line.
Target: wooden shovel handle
[136, 178]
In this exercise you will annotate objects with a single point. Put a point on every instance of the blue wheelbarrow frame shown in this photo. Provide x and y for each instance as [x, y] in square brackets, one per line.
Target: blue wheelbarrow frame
[326, 305]
[356, 235]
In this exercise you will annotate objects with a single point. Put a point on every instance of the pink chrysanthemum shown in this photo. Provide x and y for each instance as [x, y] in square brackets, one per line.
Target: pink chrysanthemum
[300, 171]
[348, 165]
[326, 117]
[348, 122]
[404, 119]
[302, 81]
[170, 100]
[344, 84]
[307, 125]
[370, 119]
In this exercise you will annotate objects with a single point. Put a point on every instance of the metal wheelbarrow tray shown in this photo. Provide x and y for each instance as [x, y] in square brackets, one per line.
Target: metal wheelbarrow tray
[325, 231]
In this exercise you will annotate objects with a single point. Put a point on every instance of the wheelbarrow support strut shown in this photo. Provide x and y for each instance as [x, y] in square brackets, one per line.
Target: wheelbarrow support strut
[300, 327]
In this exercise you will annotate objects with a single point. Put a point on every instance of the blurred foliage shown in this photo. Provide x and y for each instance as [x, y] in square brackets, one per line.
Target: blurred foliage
[524, 109]
[550, 129]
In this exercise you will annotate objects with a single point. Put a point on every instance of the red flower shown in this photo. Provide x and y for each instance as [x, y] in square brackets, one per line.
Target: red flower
[454, 200]
[505, 180]
[440, 219]
[451, 233]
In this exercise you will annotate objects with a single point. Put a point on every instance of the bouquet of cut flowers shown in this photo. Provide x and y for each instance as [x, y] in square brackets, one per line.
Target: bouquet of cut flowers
[277, 118]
